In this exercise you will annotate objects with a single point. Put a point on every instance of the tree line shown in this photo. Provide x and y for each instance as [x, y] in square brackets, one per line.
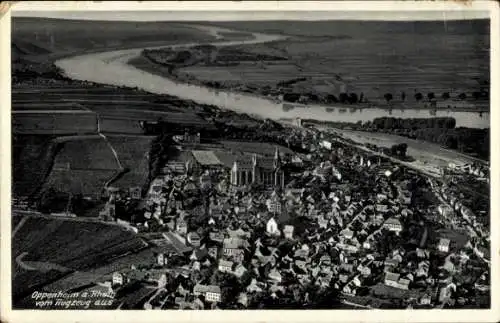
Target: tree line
[352, 97]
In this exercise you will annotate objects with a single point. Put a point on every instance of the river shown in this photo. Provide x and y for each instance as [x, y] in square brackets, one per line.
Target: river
[112, 68]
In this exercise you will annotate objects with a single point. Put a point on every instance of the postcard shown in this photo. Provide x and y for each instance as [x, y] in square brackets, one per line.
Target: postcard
[249, 161]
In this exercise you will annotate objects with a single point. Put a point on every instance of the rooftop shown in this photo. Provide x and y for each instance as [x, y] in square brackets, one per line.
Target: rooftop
[206, 157]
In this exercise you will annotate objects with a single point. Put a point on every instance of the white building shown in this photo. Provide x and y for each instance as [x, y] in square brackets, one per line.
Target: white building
[394, 225]
[444, 245]
[272, 227]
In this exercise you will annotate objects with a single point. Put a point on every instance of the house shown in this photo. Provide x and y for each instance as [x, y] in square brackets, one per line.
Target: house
[135, 193]
[225, 266]
[243, 299]
[212, 293]
[181, 290]
[161, 260]
[272, 227]
[344, 278]
[288, 231]
[423, 269]
[216, 236]
[394, 225]
[426, 299]
[254, 287]
[301, 264]
[274, 276]
[349, 289]
[158, 277]
[325, 260]
[193, 238]
[444, 245]
[394, 280]
[240, 271]
[239, 233]
[213, 252]
[364, 270]
[382, 208]
[238, 255]
[391, 279]
[198, 254]
[348, 234]
[118, 279]
[422, 253]
[181, 227]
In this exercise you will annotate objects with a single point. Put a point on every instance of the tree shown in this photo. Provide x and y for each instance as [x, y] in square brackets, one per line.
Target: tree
[403, 96]
[476, 95]
[388, 97]
[353, 98]
[462, 96]
[445, 96]
[394, 150]
[291, 97]
[418, 96]
[402, 149]
[431, 96]
[330, 98]
[343, 97]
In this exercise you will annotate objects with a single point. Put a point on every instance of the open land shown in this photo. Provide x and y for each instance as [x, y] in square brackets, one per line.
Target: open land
[36, 38]
[423, 151]
[332, 57]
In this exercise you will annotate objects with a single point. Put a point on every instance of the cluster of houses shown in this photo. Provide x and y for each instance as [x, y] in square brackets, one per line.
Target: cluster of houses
[307, 227]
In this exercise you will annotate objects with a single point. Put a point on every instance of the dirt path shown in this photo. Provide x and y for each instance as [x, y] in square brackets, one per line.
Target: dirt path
[18, 226]
[42, 266]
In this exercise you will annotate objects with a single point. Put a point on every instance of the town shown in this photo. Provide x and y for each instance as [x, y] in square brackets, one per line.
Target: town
[336, 226]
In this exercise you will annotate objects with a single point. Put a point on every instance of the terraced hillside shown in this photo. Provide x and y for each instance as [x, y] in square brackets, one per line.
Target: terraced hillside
[32, 159]
[46, 249]
[133, 152]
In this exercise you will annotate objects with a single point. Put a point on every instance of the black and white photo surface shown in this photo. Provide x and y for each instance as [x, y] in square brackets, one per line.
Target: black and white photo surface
[217, 160]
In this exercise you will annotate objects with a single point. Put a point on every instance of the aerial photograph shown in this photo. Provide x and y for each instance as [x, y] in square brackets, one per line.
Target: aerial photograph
[300, 160]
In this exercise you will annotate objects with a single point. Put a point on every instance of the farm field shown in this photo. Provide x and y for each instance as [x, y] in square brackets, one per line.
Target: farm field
[56, 122]
[19, 106]
[72, 244]
[402, 57]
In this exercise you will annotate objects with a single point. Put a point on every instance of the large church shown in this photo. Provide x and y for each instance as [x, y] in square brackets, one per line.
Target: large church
[258, 170]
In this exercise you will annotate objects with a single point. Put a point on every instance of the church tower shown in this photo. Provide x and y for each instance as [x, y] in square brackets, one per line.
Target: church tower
[279, 178]
[277, 159]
